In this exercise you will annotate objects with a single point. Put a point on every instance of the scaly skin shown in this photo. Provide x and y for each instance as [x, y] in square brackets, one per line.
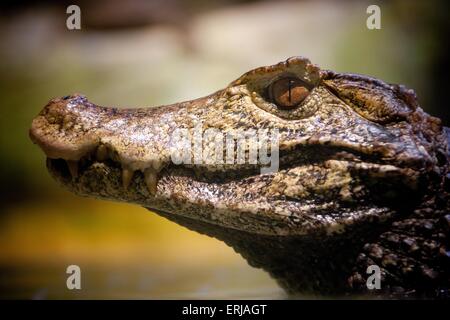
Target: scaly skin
[362, 177]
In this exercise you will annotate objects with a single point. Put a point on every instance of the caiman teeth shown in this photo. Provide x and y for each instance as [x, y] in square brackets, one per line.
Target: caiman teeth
[102, 153]
[73, 168]
[127, 175]
[157, 165]
[151, 180]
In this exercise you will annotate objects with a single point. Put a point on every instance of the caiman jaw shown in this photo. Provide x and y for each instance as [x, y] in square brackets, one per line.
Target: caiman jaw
[79, 132]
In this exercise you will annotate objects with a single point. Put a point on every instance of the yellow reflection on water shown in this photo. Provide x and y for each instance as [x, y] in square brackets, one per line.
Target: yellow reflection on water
[124, 251]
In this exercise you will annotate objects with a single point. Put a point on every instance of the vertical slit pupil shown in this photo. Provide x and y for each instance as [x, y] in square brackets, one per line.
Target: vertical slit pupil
[289, 88]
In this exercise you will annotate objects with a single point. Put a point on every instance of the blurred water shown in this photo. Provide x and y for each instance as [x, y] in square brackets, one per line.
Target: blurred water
[123, 251]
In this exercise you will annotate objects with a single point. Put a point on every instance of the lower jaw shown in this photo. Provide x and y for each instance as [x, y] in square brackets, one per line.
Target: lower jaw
[101, 180]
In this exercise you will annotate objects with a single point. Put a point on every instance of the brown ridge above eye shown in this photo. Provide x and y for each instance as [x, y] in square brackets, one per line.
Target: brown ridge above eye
[287, 93]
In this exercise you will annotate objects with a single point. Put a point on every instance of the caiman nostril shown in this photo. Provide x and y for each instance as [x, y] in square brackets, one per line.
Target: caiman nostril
[64, 129]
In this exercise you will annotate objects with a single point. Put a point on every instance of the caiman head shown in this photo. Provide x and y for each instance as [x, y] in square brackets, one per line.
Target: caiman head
[344, 150]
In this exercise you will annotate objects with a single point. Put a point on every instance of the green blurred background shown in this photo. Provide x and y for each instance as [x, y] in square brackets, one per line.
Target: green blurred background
[144, 53]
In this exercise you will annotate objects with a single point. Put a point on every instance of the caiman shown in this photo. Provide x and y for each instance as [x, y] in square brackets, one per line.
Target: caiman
[362, 178]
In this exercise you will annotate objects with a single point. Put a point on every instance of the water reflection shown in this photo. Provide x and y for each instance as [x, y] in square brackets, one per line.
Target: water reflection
[124, 251]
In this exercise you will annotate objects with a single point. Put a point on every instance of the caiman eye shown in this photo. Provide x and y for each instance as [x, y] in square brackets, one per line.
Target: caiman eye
[287, 93]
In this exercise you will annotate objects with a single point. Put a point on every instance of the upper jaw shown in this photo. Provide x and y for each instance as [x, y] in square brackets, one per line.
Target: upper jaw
[75, 130]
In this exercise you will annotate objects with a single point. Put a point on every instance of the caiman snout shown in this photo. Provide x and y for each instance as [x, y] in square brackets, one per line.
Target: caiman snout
[75, 130]
[66, 128]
